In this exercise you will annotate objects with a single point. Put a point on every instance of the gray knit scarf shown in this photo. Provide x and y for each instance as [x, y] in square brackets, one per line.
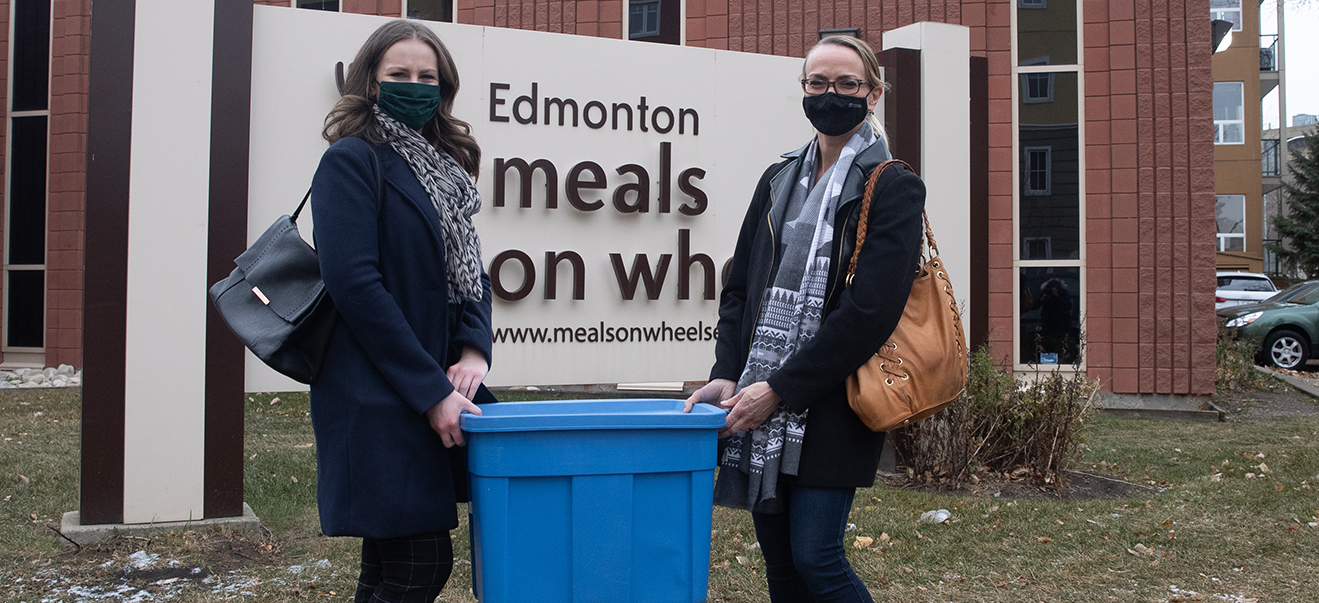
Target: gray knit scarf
[455, 198]
[791, 311]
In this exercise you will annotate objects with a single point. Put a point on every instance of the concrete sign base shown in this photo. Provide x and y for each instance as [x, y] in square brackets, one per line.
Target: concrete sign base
[75, 532]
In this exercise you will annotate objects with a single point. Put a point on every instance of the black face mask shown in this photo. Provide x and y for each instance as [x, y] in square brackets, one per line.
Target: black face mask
[834, 114]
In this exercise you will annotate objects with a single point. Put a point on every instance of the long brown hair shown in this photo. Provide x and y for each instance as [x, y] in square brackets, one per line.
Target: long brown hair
[353, 115]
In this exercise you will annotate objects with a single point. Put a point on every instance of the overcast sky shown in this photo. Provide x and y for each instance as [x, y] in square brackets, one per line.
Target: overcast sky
[1302, 48]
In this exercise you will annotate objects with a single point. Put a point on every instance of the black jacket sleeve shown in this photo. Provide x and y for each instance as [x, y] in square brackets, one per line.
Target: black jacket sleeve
[870, 308]
[475, 329]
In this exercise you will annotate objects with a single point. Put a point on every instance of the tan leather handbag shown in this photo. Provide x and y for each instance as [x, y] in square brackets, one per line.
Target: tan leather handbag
[921, 369]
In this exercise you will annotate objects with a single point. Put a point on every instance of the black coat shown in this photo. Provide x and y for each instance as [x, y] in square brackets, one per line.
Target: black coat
[382, 471]
[838, 450]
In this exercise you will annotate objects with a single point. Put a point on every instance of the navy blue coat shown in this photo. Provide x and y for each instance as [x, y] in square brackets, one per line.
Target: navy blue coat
[382, 471]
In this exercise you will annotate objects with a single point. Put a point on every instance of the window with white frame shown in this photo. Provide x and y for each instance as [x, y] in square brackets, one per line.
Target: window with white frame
[1038, 170]
[1049, 203]
[1226, 10]
[643, 18]
[23, 211]
[1229, 113]
[1036, 87]
[1230, 212]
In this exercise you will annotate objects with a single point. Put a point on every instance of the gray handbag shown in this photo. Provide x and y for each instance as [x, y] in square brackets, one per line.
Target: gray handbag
[275, 301]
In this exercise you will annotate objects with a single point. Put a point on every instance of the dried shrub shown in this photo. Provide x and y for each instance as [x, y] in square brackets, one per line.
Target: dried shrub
[1023, 426]
[1235, 368]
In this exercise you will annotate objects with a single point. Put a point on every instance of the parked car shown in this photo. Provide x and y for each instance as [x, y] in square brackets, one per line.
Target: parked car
[1287, 324]
[1239, 288]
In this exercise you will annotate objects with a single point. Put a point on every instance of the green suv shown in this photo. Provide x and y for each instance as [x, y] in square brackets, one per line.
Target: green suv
[1287, 324]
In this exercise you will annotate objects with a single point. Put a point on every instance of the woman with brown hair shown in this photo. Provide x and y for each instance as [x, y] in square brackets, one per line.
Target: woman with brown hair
[393, 199]
[791, 329]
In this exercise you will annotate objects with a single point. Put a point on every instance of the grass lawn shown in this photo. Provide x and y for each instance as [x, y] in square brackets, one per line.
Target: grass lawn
[1222, 528]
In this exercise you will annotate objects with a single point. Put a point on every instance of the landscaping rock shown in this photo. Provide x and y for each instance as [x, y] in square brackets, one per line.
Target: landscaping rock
[64, 375]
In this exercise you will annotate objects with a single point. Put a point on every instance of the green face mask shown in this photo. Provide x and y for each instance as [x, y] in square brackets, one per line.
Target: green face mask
[411, 103]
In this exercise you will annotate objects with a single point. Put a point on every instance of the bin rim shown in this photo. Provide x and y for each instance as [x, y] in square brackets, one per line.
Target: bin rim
[577, 415]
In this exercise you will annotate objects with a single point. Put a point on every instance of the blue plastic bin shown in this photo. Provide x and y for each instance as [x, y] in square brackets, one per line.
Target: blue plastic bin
[591, 501]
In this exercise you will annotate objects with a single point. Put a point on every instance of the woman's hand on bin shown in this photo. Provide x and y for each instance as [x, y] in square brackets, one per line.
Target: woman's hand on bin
[714, 392]
[467, 374]
[443, 418]
[749, 408]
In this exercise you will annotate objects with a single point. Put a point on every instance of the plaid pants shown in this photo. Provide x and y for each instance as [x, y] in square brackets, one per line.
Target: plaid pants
[412, 569]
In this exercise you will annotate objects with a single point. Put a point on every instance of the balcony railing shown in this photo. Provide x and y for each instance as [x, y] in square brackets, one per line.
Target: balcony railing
[1268, 55]
[1270, 155]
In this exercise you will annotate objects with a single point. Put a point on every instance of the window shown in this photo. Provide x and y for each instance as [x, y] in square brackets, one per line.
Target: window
[330, 5]
[1245, 283]
[1037, 88]
[1229, 120]
[1226, 10]
[1050, 304]
[1037, 172]
[429, 10]
[1307, 298]
[1230, 211]
[1037, 248]
[1048, 173]
[1049, 206]
[25, 206]
[643, 19]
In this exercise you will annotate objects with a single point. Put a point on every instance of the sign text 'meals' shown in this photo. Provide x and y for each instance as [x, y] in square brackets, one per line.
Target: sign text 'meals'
[628, 197]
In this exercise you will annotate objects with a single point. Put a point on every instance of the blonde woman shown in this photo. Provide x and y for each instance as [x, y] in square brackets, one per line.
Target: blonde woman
[791, 331]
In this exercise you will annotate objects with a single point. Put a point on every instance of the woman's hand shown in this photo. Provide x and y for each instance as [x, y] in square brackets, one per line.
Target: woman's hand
[749, 408]
[467, 374]
[714, 392]
[443, 418]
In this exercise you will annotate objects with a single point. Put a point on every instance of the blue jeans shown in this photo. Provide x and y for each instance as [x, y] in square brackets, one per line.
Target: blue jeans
[805, 560]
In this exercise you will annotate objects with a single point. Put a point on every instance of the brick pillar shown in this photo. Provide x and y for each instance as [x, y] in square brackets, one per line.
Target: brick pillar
[70, 43]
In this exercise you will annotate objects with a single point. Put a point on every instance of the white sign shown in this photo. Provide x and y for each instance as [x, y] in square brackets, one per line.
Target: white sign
[642, 159]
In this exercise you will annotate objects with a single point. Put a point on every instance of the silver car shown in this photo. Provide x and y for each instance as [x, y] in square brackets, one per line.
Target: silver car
[1237, 288]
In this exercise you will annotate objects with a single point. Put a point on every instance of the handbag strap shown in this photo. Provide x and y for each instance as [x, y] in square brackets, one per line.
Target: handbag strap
[864, 219]
[380, 187]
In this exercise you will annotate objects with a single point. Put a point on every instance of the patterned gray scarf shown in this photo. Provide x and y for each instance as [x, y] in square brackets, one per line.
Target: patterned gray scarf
[793, 306]
[455, 198]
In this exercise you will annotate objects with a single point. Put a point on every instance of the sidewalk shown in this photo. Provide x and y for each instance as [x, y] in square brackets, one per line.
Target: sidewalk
[1305, 381]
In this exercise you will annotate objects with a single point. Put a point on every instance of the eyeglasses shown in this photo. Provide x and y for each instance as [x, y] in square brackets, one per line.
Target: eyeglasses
[846, 87]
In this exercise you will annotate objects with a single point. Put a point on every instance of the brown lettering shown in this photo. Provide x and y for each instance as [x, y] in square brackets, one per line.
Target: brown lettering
[685, 261]
[528, 275]
[627, 283]
[552, 261]
[574, 183]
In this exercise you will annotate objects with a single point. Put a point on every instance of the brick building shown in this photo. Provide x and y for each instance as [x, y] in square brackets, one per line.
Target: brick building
[1101, 153]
